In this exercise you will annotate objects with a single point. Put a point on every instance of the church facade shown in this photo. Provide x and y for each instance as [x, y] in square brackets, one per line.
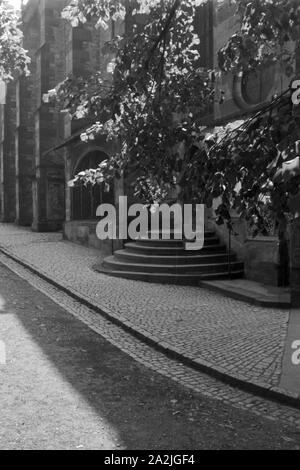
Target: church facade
[41, 149]
[34, 168]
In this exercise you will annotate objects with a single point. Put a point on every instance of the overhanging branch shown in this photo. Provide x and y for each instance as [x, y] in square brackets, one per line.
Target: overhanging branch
[164, 31]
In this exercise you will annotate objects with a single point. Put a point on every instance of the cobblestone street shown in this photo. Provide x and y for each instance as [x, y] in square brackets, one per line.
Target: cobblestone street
[64, 386]
[149, 227]
[239, 338]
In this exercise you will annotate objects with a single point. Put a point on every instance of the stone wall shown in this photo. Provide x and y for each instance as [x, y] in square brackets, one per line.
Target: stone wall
[241, 98]
[33, 178]
[49, 179]
[241, 92]
[295, 263]
[7, 159]
[39, 178]
[260, 254]
[84, 57]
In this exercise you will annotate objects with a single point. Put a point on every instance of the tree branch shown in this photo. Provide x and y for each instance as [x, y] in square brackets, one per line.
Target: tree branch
[164, 31]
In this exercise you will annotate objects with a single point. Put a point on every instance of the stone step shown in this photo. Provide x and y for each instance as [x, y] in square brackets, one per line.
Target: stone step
[190, 279]
[151, 248]
[171, 234]
[213, 240]
[196, 257]
[117, 265]
[167, 261]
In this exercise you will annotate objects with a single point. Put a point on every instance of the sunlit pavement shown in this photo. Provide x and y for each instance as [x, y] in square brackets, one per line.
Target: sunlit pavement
[240, 339]
[65, 387]
[290, 377]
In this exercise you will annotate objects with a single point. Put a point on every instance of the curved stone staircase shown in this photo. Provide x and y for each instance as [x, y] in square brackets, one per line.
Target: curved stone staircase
[167, 261]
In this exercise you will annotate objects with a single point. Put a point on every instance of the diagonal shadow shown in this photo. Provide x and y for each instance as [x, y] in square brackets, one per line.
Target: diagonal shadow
[147, 410]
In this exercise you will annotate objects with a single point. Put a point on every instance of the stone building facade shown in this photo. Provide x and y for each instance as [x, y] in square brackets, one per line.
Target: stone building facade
[32, 185]
[34, 171]
[243, 94]
[40, 148]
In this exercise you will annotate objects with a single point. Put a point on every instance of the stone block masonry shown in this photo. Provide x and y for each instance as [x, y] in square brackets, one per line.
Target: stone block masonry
[33, 191]
[7, 163]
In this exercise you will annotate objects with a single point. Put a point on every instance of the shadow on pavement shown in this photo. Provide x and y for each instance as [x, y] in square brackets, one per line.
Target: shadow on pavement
[147, 410]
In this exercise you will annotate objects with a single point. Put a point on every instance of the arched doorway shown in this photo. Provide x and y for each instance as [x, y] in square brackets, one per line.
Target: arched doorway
[86, 199]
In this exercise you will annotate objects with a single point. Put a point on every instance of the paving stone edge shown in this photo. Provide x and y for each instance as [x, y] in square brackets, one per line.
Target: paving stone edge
[236, 380]
[258, 300]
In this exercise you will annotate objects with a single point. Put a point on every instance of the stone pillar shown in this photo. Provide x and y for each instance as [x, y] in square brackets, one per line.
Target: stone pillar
[8, 188]
[295, 263]
[24, 151]
[68, 176]
[48, 184]
[25, 104]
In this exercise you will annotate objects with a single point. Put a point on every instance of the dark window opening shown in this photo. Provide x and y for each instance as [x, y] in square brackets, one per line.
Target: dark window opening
[86, 199]
[256, 85]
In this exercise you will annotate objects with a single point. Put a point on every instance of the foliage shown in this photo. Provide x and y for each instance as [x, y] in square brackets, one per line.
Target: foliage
[269, 33]
[13, 58]
[157, 96]
[245, 166]
[100, 11]
[266, 31]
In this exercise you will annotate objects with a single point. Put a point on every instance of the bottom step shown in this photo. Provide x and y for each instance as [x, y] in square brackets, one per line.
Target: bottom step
[191, 279]
[251, 292]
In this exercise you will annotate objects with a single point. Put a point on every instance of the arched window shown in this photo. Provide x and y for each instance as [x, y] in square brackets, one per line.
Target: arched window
[251, 89]
[256, 85]
[86, 199]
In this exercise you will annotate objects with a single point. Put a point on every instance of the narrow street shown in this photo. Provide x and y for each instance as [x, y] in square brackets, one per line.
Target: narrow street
[149, 226]
[65, 387]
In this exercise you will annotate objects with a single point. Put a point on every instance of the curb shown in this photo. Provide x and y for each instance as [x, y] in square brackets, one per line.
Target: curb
[258, 388]
[260, 301]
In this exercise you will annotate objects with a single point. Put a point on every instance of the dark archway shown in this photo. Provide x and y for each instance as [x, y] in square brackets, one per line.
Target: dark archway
[86, 199]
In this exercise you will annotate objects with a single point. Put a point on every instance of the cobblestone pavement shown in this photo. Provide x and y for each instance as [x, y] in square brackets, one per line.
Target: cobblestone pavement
[63, 386]
[227, 333]
[193, 380]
